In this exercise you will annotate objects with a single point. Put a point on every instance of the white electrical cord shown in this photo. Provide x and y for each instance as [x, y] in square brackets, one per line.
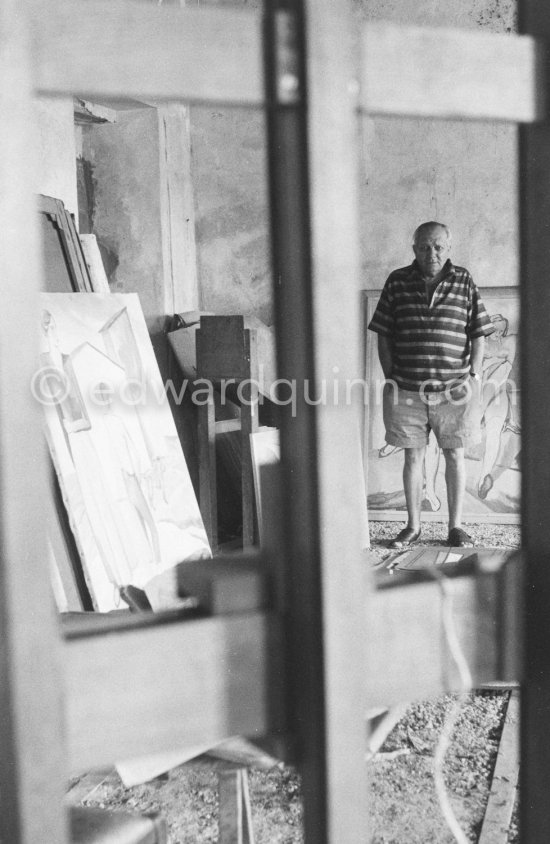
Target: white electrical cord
[457, 654]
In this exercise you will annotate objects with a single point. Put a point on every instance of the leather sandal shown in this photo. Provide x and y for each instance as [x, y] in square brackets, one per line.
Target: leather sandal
[407, 536]
[458, 538]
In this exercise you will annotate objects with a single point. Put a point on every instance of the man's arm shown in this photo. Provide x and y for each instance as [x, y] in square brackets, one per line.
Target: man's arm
[385, 354]
[476, 354]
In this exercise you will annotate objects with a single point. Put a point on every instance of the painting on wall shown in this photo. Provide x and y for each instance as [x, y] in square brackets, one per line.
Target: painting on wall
[492, 466]
[113, 441]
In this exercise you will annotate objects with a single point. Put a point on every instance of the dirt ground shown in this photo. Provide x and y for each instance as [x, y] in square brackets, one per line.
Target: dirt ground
[403, 805]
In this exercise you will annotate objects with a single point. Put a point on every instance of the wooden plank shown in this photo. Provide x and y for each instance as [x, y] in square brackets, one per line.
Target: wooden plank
[449, 73]
[67, 242]
[47, 205]
[87, 113]
[333, 135]
[181, 292]
[81, 268]
[177, 684]
[249, 424]
[296, 539]
[223, 349]
[235, 817]
[208, 497]
[228, 584]
[93, 824]
[534, 168]
[56, 269]
[121, 48]
[84, 786]
[500, 805]
[31, 727]
[226, 426]
[408, 658]
[241, 752]
[485, 619]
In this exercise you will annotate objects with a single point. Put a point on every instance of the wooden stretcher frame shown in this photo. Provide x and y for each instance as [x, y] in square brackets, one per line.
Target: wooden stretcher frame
[122, 48]
[77, 268]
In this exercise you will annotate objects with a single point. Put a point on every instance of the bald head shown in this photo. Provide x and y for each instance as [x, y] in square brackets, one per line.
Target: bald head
[430, 227]
[432, 247]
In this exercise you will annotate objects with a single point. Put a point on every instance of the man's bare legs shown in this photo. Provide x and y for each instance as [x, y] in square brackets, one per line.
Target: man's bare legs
[413, 478]
[455, 478]
[431, 466]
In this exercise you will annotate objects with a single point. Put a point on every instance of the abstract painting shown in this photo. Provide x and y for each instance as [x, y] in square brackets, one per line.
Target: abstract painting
[113, 441]
[492, 466]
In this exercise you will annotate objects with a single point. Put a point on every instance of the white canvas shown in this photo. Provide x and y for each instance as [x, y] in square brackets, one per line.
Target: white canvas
[265, 448]
[114, 444]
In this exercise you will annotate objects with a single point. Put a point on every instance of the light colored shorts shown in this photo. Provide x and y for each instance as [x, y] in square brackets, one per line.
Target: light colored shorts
[453, 416]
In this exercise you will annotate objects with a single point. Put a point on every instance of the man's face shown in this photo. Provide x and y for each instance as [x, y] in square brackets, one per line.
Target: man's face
[432, 250]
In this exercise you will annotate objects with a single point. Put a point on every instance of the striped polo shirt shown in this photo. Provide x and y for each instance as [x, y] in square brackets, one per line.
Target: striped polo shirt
[431, 340]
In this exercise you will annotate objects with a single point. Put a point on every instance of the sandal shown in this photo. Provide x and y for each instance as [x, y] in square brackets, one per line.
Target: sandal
[458, 538]
[407, 536]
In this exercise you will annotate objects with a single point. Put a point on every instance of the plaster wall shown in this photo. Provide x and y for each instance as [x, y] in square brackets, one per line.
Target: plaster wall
[229, 167]
[56, 175]
[463, 174]
[124, 160]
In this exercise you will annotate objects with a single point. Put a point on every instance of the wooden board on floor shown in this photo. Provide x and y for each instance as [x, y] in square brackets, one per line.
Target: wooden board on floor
[84, 786]
[235, 823]
[502, 796]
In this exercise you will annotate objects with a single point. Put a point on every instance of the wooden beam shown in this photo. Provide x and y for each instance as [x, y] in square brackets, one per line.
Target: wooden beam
[294, 541]
[31, 729]
[181, 290]
[87, 113]
[408, 656]
[121, 48]
[333, 136]
[148, 690]
[534, 167]
[449, 73]
[227, 584]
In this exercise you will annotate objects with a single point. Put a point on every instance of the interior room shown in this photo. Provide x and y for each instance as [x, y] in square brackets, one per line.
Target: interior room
[211, 629]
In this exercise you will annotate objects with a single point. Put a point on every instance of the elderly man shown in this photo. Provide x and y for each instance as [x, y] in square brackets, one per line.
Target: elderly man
[431, 326]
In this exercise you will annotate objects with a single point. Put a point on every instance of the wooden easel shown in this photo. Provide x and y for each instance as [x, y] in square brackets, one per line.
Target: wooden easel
[230, 584]
[215, 55]
[227, 360]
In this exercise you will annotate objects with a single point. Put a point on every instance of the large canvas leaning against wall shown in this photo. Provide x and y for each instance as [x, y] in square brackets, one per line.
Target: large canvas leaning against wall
[492, 467]
[113, 441]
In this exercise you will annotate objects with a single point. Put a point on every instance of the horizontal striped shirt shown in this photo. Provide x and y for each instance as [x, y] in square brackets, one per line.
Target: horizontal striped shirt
[431, 340]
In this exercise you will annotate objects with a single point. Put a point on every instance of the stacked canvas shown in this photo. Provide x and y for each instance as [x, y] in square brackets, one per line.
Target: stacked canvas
[122, 472]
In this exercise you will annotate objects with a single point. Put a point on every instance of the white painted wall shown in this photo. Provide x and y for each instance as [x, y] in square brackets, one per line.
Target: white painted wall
[56, 174]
